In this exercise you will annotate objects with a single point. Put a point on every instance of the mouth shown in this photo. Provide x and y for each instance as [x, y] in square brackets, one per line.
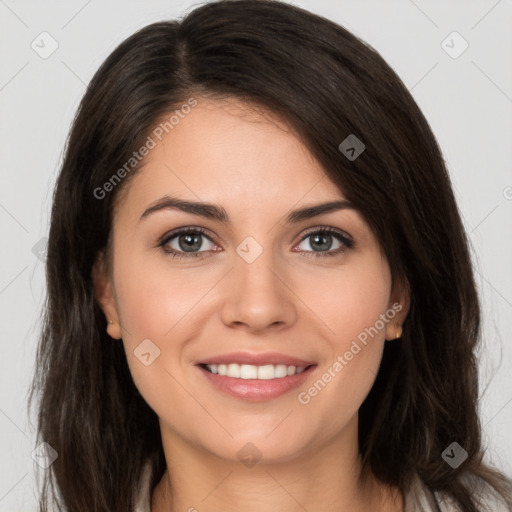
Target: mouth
[255, 383]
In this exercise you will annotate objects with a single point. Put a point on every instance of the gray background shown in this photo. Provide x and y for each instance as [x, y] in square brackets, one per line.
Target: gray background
[467, 101]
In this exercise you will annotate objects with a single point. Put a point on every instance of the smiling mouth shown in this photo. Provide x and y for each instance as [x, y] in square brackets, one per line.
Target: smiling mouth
[253, 372]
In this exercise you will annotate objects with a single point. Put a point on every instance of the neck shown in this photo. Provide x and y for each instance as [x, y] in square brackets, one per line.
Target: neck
[327, 478]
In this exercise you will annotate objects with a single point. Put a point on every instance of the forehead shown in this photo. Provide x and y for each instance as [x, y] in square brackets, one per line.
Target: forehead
[230, 153]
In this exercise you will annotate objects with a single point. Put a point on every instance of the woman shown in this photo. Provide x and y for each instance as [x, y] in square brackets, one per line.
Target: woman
[260, 294]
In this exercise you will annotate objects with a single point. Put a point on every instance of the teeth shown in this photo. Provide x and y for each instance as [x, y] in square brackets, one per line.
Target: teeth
[248, 371]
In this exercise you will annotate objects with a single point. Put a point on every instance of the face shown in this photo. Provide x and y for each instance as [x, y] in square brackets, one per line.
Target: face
[252, 290]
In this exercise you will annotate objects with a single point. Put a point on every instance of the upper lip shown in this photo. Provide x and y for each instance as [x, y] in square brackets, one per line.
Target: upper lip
[257, 359]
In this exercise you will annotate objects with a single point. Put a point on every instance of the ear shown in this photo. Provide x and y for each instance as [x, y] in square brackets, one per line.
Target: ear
[400, 302]
[104, 294]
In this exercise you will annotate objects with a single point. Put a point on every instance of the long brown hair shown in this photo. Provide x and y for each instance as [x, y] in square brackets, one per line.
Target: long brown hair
[327, 84]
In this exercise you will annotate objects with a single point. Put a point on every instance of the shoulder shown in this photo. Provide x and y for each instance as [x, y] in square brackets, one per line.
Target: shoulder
[420, 498]
[143, 500]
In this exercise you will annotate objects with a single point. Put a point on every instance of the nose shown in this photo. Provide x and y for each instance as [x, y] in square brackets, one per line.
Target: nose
[258, 296]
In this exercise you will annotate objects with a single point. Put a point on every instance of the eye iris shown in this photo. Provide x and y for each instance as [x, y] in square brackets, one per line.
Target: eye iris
[324, 241]
[191, 242]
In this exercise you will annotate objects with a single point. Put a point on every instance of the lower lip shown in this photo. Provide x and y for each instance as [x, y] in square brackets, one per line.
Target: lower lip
[256, 390]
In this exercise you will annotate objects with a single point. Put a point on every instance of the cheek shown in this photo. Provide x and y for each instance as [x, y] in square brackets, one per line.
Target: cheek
[351, 300]
[152, 301]
[156, 309]
[357, 321]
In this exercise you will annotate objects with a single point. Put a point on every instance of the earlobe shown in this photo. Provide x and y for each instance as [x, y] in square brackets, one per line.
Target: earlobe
[104, 295]
[114, 330]
[400, 303]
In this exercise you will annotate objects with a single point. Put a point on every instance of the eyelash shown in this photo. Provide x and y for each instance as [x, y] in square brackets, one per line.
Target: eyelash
[345, 240]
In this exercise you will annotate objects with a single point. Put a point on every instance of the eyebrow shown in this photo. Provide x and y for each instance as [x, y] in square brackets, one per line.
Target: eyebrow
[218, 213]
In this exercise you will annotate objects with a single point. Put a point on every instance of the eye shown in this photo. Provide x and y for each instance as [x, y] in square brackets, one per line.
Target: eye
[321, 241]
[186, 242]
[189, 242]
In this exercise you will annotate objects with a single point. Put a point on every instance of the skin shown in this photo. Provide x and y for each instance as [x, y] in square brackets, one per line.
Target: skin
[252, 165]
